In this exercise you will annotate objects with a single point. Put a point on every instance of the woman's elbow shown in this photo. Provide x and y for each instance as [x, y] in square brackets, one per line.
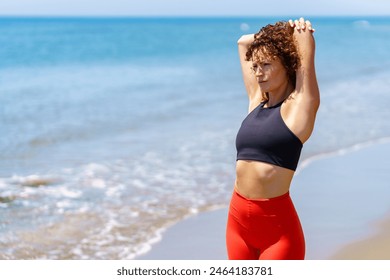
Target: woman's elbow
[246, 40]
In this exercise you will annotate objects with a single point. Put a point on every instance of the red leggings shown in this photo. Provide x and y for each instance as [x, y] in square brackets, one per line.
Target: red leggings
[264, 229]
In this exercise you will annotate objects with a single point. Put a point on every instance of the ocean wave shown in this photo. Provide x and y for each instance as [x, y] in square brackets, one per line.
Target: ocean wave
[362, 24]
[122, 206]
[340, 152]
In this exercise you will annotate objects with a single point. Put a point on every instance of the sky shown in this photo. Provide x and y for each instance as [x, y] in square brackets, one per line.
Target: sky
[193, 7]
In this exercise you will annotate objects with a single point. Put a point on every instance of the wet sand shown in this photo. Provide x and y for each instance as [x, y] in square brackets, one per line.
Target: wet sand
[375, 247]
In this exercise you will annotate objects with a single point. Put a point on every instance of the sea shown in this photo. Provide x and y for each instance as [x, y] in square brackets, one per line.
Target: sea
[114, 129]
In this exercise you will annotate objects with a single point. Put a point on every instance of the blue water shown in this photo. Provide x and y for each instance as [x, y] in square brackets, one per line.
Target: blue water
[115, 128]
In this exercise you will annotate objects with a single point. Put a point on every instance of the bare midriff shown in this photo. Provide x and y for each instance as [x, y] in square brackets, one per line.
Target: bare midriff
[255, 179]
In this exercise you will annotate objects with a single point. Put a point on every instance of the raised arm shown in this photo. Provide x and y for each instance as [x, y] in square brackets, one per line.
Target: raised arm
[301, 113]
[306, 83]
[250, 82]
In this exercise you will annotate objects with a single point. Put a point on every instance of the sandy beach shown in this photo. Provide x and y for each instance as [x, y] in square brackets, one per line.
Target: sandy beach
[375, 247]
[343, 202]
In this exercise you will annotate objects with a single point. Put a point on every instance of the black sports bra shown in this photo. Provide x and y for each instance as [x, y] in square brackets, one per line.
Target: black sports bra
[264, 136]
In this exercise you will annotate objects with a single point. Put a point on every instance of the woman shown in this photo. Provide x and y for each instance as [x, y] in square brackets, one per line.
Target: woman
[279, 76]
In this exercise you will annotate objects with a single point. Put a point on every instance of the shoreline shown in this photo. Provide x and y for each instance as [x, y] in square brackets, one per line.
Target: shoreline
[340, 152]
[201, 236]
[329, 234]
[373, 247]
[341, 195]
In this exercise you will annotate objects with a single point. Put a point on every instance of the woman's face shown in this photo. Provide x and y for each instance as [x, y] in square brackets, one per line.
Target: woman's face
[270, 72]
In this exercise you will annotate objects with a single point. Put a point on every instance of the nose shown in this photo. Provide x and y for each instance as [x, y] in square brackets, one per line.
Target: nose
[259, 71]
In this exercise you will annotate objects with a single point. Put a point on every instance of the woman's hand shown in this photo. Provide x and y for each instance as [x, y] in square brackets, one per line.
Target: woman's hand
[301, 24]
[303, 36]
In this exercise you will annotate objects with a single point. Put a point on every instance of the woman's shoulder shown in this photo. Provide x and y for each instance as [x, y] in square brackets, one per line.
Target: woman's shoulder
[299, 115]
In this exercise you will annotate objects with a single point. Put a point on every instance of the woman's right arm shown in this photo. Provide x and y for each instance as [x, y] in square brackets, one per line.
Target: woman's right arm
[250, 82]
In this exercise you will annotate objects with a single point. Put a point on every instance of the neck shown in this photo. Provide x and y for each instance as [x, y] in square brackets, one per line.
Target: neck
[276, 97]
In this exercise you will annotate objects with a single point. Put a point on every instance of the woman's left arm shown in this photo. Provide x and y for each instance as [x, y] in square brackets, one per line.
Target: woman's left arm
[307, 94]
[306, 83]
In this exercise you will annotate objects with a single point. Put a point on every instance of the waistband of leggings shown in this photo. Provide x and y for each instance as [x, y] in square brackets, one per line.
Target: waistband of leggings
[281, 197]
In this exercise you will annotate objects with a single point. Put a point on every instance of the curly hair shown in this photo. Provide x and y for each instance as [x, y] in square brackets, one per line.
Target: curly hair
[277, 41]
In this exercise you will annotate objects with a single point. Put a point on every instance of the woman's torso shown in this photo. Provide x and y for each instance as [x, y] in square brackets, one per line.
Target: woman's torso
[258, 178]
